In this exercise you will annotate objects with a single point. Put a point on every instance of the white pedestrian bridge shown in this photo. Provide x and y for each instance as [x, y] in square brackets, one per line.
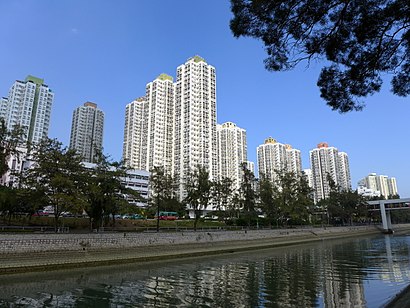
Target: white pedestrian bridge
[385, 207]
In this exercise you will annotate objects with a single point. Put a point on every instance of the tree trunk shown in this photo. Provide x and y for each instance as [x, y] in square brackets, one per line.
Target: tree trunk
[196, 219]
[55, 222]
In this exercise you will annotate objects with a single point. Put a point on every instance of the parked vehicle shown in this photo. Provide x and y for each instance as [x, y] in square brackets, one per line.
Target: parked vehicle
[137, 216]
[168, 216]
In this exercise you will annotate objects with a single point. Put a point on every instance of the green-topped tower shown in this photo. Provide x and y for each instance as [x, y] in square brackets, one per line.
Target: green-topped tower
[28, 104]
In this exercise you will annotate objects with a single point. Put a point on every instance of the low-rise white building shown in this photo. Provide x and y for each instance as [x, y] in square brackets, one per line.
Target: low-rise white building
[368, 192]
[17, 163]
[135, 179]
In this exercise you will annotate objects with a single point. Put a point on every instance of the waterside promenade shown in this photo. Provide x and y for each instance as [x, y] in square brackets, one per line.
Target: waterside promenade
[39, 252]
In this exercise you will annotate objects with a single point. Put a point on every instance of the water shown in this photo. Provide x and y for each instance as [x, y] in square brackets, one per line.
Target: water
[363, 272]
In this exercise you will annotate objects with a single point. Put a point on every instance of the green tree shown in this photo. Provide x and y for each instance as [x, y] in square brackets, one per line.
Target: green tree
[247, 194]
[104, 193]
[293, 197]
[360, 39]
[163, 192]
[198, 191]
[346, 206]
[396, 196]
[9, 142]
[267, 193]
[56, 175]
[221, 195]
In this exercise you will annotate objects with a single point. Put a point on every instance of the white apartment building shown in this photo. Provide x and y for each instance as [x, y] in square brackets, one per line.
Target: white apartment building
[325, 161]
[344, 171]
[158, 125]
[381, 183]
[232, 151]
[392, 185]
[87, 130]
[367, 192]
[308, 176]
[133, 133]
[149, 127]
[137, 180]
[17, 163]
[28, 105]
[251, 166]
[195, 141]
[272, 158]
[174, 125]
[293, 160]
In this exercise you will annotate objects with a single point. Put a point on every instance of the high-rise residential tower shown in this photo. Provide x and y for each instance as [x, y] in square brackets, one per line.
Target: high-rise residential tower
[87, 130]
[392, 185]
[158, 126]
[380, 183]
[344, 171]
[326, 162]
[272, 158]
[232, 151]
[149, 126]
[195, 119]
[308, 176]
[133, 133]
[174, 125]
[28, 105]
[251, 166]
[293, 160]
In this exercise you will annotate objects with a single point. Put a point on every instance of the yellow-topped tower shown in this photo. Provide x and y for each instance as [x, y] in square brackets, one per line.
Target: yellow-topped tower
[270, 140]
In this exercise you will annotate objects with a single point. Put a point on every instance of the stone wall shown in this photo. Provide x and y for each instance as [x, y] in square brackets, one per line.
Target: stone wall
[24, 243]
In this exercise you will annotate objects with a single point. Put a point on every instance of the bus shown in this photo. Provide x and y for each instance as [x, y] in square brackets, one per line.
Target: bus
[168, 216]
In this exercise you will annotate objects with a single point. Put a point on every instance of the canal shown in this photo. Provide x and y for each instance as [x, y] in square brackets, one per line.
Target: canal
[360, 272]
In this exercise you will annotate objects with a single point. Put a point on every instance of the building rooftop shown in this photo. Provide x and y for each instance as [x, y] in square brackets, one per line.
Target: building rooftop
[197, 59]
[165, 77]
[34, 79]
[270, 140]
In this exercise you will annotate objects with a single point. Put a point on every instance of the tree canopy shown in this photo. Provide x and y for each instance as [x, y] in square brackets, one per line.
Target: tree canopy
[198, 191]
[9, 142]
[360, 39]
[56, 176]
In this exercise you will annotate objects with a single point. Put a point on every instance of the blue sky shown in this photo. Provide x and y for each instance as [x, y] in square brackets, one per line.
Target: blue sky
[107, 51]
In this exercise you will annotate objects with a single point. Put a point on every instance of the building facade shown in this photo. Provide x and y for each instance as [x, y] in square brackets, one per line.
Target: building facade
[293, 160]
[149, 127]
[308, 176]
[133, 133]
[28, 105]
[326, 163]
[251, 166]
[195, 140]
[158, 125]
[137, 180]
[87, 131]
[344, 171]
[174, 124]
[382, 184]
[272, 158]
[232, 151]
[17, 164]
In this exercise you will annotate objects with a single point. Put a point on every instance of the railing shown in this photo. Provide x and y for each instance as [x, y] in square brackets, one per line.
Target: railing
[29, 229]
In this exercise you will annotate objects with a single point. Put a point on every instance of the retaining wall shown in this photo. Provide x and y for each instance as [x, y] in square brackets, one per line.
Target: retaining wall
[25, 243]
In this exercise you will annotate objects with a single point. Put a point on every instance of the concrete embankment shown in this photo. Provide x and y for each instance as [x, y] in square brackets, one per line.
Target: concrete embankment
[34, 252]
